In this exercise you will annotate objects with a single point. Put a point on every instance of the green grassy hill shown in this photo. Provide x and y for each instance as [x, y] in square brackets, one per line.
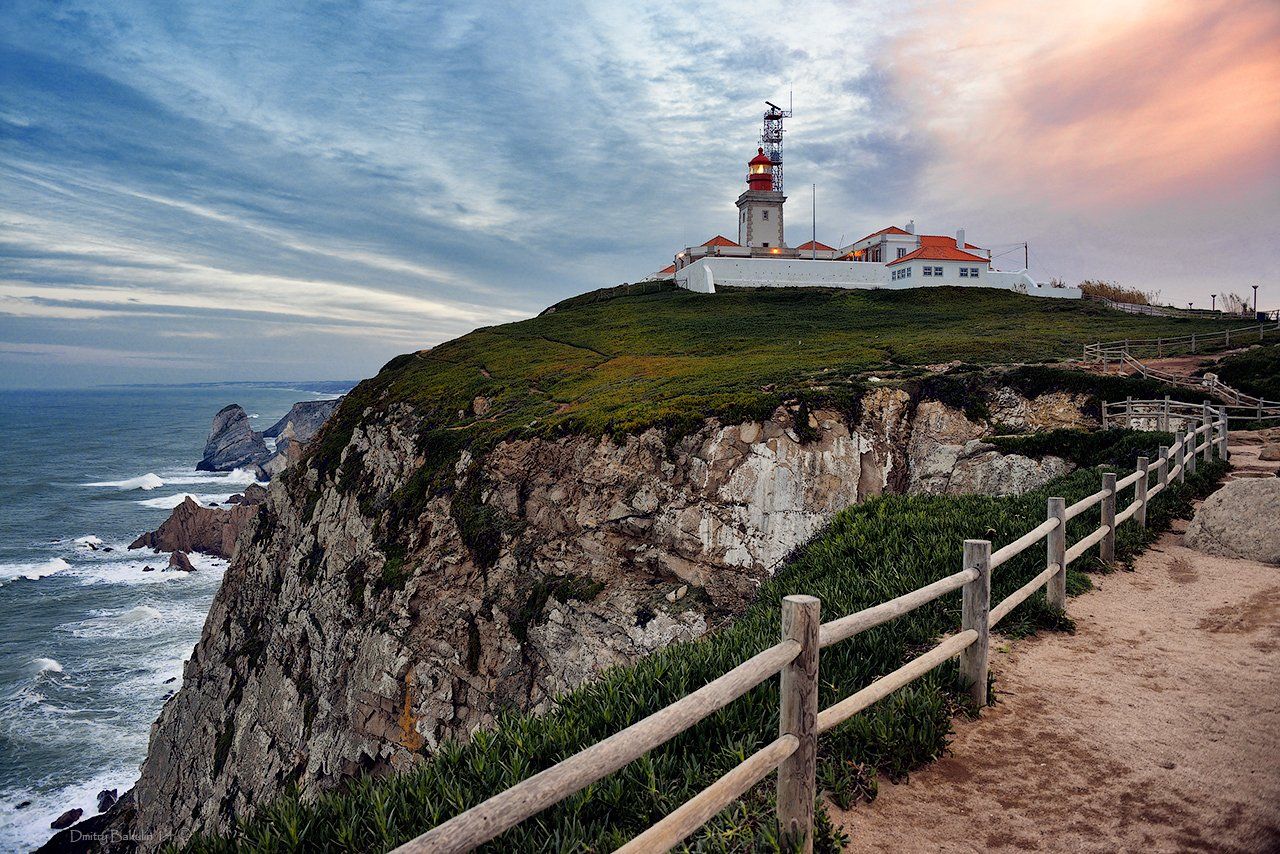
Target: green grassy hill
[626, 358]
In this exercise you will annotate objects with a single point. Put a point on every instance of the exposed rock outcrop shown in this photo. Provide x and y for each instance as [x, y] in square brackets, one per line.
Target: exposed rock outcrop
[333, 648]
[208, 530]
[1241, 520]
[303, 421]
[232, 443]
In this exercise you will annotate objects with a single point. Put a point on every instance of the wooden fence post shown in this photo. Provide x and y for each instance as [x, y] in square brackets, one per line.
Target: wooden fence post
[1191, 446]
[1128, 412]
[1193, 342]
[1056, 590]
[1206, 418]
[976, 604]
[798, 716]
[1223, 454]
[1107, 548]
[1164, 416]
[1182, 456]
[1140, 493]
[1162, 465]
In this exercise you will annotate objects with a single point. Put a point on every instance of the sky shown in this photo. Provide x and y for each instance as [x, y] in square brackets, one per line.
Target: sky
[273, 190]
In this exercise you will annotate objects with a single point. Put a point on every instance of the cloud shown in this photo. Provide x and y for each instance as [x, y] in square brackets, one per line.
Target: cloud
[1097, 103]
[382, 177]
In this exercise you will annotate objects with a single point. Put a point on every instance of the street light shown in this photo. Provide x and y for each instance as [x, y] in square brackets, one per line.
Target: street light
[1189, 306]
[1213, 306]
[1255, 300]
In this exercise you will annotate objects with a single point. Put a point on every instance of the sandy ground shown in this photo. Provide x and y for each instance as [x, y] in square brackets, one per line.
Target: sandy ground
[1156, 727]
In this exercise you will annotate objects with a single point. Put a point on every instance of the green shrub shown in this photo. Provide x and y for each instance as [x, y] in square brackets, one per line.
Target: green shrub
[1087, 448]
[869, 553]
[1256, 371]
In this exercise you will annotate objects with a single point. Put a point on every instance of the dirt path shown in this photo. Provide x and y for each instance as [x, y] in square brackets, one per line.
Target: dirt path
[1156, 727]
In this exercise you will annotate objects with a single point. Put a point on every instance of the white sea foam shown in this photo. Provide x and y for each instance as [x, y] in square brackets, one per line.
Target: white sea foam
[204, 499]
[139, 613]
[40, 666]
[28, 828]
[235, 477]
[88, 540]
[150, 480]
[31, 571]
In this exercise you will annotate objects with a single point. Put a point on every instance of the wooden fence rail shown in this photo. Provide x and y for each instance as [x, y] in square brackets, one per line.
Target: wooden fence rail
[1169, 415]
[795, 660]
[1108, 351]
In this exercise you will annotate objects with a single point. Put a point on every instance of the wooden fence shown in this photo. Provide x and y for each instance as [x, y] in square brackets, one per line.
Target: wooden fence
[794, 659]
[1169, 414]
[1111, 351]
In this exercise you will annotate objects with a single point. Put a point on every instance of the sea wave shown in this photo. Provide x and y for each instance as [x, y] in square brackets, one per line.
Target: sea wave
[168, 502]
[235, 477]
[41, 666]
[150, 480]
[31, 571]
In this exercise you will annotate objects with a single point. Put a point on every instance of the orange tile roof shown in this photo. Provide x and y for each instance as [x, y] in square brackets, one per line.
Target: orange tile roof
[720, 240]
[939, 252]
[670, 268]
[943, 240]
[813, 244]
[893, 229]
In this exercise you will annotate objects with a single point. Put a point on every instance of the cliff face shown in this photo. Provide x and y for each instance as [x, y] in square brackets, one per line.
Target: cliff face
[331, 650]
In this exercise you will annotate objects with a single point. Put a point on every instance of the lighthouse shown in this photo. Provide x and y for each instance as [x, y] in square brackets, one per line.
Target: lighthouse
[760, 206]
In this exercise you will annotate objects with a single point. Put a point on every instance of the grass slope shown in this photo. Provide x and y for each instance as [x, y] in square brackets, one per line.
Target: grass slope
[870, 553]
[622, 359]
[1255, 371]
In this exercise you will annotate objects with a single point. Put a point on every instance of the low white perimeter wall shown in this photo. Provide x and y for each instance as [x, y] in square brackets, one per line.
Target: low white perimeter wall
[704, 274]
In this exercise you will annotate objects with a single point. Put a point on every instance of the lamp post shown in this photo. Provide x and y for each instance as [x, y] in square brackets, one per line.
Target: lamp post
[1213, 305]
[1255, 300]
[1189, 306]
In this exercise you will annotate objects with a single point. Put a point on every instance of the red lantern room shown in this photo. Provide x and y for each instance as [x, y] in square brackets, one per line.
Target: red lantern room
[760, 172]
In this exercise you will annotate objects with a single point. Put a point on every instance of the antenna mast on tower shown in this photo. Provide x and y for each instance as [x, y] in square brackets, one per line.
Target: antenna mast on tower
[771, 139]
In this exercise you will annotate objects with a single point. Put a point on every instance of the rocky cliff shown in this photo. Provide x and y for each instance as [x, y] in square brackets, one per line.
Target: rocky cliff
[412, 593]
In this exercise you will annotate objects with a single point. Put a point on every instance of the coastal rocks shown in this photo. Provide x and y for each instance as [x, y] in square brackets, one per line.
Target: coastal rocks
[365, 620]
[180, 562]
[947, 456]
[303, 421]
[1240, 520]
[983, 470]
[106, 798]
[208, 530]
[67, 819]
[232, 443]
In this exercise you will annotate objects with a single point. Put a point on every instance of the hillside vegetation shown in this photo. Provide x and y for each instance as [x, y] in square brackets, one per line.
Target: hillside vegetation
[622, 359]
[870, 553]
[1256, 371]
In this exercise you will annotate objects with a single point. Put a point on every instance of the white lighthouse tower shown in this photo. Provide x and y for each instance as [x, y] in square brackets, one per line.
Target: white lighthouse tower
[760, 206]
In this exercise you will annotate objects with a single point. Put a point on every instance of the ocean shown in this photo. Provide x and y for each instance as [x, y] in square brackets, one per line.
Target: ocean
[90, 644]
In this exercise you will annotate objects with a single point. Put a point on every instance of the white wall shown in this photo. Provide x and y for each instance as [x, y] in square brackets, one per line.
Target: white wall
[703, 276]
[762, 230]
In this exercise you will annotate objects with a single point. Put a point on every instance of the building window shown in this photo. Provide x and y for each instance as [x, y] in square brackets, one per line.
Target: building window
[908, 272]
[969, 272]
[766, 245]
[902, 251]
[932, 271]
[964, 272]
[765, 215]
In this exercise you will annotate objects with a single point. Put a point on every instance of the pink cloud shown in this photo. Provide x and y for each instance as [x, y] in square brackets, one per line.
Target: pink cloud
[1119, 104]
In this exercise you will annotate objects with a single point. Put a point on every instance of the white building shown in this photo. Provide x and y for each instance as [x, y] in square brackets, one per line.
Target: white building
[892, 257]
